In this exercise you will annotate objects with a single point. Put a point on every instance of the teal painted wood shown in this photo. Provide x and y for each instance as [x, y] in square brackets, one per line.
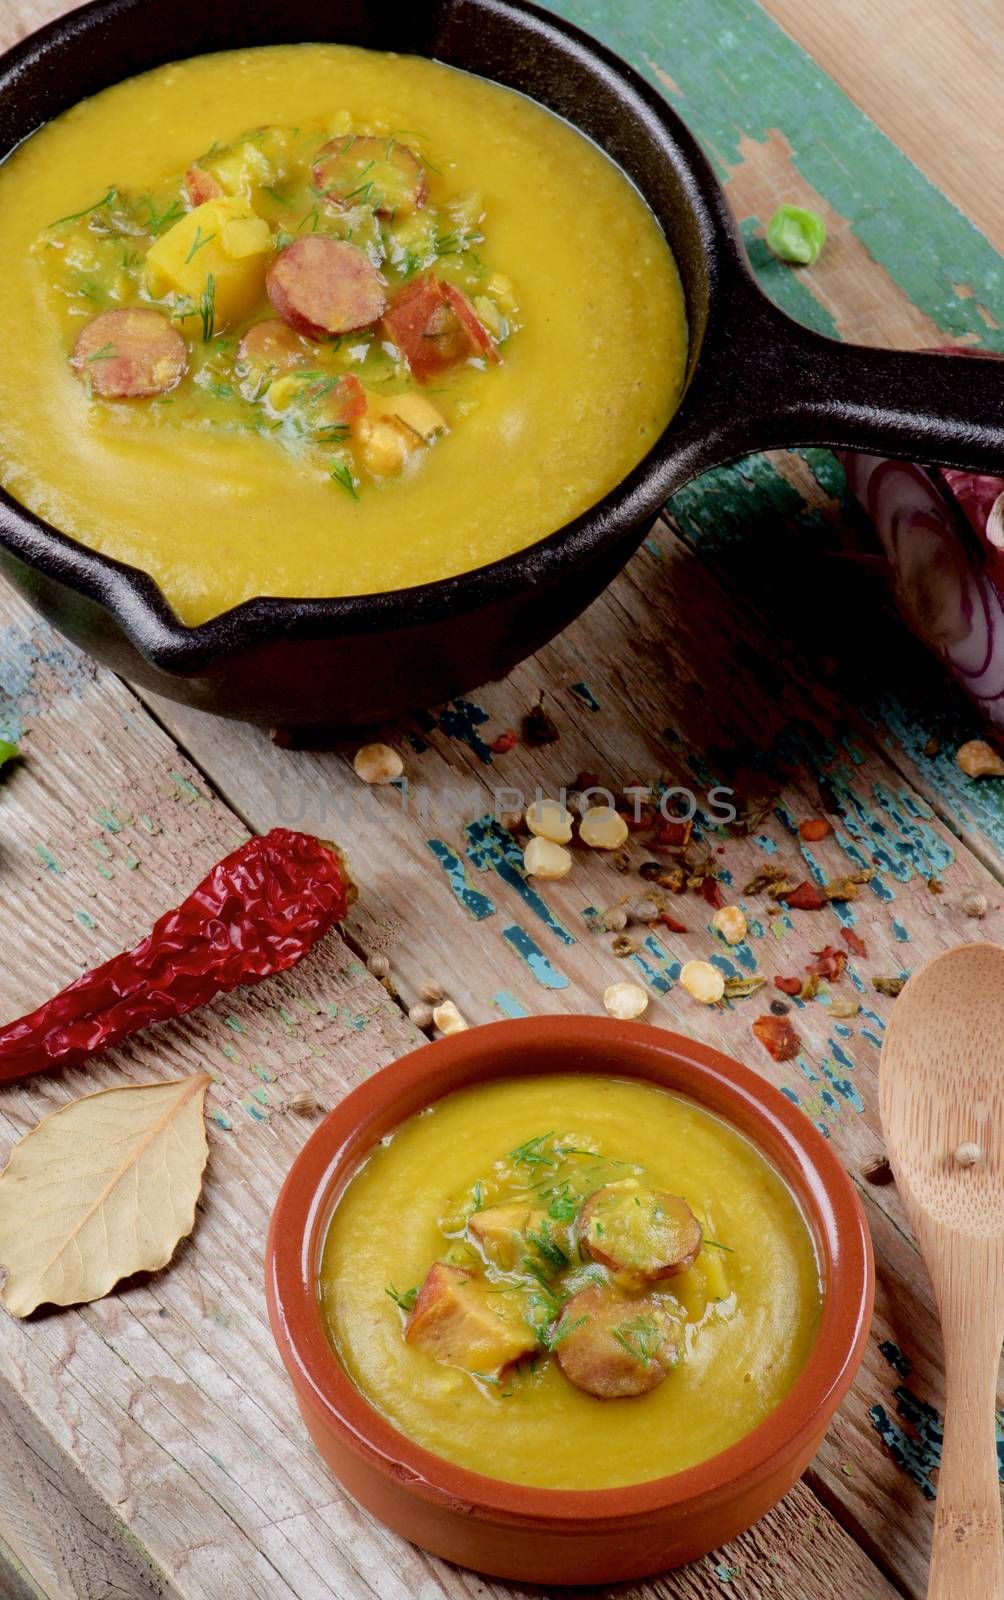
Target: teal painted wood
[732, 72]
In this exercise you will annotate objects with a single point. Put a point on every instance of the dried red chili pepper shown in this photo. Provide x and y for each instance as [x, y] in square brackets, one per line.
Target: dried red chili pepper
[788, 985]
[815, 829]
[855, 944]
[829, 962]
[711, 892]
[778, 1037]
[258, 911]
[805, 897]
[504, 742]
[673, 835]
[671, 923]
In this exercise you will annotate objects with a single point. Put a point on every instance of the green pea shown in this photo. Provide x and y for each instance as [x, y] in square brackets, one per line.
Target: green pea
[797, 235]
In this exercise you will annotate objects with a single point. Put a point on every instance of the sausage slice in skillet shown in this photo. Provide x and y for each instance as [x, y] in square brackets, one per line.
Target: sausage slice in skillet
[434, 326]
[359, 169]
[324, 286]
[130, 353]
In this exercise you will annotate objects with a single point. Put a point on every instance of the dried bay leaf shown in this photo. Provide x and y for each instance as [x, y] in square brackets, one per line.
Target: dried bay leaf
[104, 1187]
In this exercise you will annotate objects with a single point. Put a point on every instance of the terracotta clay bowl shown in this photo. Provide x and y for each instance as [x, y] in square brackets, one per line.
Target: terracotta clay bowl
[560, 1535]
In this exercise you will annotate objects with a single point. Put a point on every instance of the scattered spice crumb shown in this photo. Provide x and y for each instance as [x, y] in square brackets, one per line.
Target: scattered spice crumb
[788, 985]
[624, 946]
[855, 944]
[739, 988]
[539, 727]
[778, 1037]
[805, 897]
[877, 1170]
[814, 829]
[935, 885]
[890, 986]
[504, 743]
[933, 746]
[842, 1009]
[828, 963]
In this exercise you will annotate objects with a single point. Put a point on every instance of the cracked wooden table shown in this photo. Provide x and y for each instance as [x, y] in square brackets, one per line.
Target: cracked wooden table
[151, 1442]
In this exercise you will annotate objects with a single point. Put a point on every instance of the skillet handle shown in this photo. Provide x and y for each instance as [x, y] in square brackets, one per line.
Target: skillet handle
[769, 383]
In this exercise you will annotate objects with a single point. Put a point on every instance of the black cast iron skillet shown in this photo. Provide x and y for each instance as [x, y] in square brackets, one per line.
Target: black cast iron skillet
[755, 380]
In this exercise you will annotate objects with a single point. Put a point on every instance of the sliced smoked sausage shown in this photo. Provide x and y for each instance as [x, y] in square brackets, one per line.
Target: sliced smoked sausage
[360, 169]
[614, 1345]
[324, 286]
[434, 326]
[130, 353]
[644, 1232]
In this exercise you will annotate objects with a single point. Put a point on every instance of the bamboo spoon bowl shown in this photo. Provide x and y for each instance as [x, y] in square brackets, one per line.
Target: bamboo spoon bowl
[941, 1091]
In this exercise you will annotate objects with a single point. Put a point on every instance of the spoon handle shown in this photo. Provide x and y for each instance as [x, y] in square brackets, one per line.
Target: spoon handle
[967, 1557]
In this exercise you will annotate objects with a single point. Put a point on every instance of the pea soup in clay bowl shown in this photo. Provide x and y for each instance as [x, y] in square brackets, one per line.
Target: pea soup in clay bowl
[351, 354]
[568, 1300]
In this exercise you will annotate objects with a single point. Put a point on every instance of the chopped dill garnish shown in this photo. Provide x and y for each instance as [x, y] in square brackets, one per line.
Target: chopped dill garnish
[640, 1337]
[343, 475]
[106, 353]
[207, 310]
[486, 1377]
[337, 433]
[531, 1154]
[552, 1337]
[169, 216]
[405, 1298]
[479, 1196]
[313, 215]
[548, 1247]
[564, 1206]
[364, 191]
[716, 1246]
[74, 216]
[197, 243]
[279, 199]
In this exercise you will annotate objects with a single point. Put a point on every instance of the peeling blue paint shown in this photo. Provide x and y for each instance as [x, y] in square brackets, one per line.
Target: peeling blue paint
[583, 692]
[461, 720]
[492, 846]
[508, 1004]
[476, 904]
[546, 975]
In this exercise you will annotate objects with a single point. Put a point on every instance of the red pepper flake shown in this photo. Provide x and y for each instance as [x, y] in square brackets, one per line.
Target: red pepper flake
[257, 913]
[778, 1037]
[670, 923]
[503, 743]
[815, 829]
[855, 944]
[788, 985]
[806, 897]
[674, 835]
[711, 892]
[829, 962]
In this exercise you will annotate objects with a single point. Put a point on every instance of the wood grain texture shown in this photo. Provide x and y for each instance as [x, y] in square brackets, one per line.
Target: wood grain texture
[941, 1086]
[907, 67]
[155, 1447]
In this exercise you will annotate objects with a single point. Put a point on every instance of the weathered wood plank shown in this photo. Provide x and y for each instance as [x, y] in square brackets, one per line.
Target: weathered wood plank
[160, 1416]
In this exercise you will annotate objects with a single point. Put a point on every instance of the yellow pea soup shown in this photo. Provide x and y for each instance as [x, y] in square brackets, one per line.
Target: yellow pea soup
[222, 495]
[747, 1310]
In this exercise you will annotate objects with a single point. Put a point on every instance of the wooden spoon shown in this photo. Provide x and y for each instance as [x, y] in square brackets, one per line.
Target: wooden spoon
[941, 1089]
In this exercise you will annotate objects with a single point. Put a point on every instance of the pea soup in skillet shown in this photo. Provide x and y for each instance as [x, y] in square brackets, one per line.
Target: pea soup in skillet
[311, 320]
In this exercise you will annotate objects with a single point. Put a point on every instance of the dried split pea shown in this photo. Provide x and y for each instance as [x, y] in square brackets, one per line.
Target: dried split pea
[548, 819]
[625, 1000]
[603, 828]
[730, 922]
[703, 981]
[377, 763]
[544, 859]
[448, 1019]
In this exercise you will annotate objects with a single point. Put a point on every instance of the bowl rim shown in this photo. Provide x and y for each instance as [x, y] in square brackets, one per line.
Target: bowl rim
[133, 596]
[773, 1123]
